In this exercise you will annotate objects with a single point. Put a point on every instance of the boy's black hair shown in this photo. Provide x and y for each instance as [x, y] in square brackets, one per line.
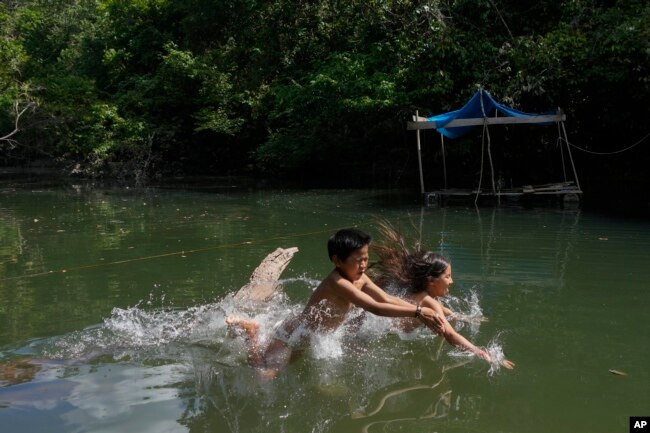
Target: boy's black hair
[343, 242]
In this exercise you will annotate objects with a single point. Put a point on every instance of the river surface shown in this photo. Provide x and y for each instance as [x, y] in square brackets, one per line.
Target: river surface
[113, 305]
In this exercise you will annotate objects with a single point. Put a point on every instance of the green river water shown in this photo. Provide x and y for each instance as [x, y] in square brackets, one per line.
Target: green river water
[112, 307]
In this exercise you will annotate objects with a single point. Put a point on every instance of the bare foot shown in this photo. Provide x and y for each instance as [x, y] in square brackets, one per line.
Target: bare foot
[251, 327]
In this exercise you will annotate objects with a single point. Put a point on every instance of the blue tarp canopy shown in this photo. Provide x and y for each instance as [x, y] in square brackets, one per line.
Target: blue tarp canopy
[481, 106]
[482, 109]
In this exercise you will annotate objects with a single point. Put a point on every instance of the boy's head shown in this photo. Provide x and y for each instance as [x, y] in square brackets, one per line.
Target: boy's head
[342, 243]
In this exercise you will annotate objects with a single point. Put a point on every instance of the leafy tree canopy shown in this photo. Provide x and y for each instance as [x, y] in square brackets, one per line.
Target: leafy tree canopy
[149, 87]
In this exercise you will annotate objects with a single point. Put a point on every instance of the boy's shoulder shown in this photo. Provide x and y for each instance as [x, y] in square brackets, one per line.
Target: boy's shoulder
[334, 279]
[329, 288]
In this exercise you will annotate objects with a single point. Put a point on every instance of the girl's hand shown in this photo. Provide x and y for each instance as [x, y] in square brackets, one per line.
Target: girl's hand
[482, 353]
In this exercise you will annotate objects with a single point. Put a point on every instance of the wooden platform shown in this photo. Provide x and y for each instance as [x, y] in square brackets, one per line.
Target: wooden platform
[567, 191]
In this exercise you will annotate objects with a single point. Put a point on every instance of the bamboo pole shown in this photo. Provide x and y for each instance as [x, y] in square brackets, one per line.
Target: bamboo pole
[568, 148]
[420, 158]
[559, 137]
[444, 163]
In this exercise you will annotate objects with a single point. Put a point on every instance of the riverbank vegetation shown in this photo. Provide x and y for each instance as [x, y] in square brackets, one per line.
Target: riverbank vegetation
[320, 89]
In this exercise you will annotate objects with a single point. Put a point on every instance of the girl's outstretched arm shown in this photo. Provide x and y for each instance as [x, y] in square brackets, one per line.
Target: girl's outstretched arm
[457, 340]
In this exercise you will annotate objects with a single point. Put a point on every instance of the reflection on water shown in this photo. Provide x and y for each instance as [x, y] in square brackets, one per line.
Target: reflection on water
[96, 396]
[112, 308]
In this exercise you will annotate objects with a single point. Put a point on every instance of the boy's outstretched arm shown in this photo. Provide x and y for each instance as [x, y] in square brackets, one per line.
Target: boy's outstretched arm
[373, 299]
[380, 294]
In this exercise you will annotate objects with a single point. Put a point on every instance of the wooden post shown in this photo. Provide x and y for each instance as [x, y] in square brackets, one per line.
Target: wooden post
[444, 163]
[568, 148]
[420, 157]
[560, 138]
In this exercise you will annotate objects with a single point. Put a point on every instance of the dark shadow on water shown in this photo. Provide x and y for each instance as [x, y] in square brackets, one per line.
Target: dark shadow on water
[390, 198]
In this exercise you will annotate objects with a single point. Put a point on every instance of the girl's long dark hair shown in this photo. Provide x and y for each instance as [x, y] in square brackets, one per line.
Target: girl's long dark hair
[402, 266]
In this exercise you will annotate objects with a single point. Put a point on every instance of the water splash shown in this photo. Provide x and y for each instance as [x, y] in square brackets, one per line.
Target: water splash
[145, 331]
[494, 349]
[142, 333]
[466, 309]
[134, 330]
[328, 346]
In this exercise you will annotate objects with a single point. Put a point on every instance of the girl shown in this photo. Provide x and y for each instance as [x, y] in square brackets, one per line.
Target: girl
[426, 276]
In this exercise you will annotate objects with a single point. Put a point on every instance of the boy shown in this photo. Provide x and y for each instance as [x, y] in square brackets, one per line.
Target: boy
[345, 287]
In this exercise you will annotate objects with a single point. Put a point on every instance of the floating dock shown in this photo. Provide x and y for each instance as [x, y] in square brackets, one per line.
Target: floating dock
[566, 192]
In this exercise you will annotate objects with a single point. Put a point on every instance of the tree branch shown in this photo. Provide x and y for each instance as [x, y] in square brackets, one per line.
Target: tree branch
[19, 110]
[503, 21]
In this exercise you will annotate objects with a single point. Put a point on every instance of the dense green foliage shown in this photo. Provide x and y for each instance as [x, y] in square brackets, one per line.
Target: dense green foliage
[135, 88]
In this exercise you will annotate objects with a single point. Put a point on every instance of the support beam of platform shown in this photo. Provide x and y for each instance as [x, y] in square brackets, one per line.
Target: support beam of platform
[423, 123]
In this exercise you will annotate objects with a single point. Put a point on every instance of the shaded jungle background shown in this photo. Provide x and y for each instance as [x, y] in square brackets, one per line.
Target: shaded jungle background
[319, 91]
